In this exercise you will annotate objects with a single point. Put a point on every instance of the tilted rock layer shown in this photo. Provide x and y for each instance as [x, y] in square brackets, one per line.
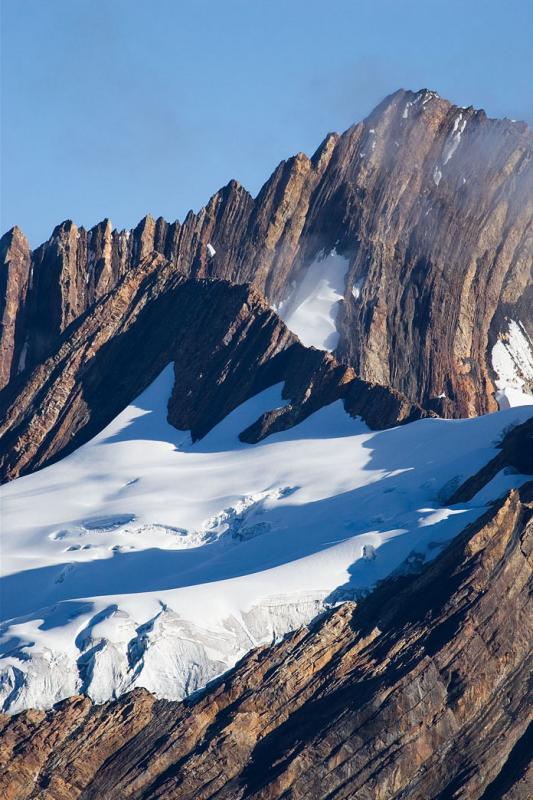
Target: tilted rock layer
[226, 345]
[421, 691]
[431, 204]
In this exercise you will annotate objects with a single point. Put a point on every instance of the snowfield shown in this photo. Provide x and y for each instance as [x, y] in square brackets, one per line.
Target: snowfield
[310, 310]
[512, 361]
[145, 560]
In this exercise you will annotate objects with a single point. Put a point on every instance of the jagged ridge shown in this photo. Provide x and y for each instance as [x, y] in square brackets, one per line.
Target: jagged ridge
[226, 344]
[431, 204]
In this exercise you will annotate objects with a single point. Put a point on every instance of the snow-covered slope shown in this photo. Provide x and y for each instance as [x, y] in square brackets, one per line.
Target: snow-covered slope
[311, 309]
[144, 560]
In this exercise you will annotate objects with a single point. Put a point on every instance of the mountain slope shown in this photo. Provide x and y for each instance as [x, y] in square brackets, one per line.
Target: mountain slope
[216, 432]
[226, 345]
[146, 559]
[420, 691]
[430, 205]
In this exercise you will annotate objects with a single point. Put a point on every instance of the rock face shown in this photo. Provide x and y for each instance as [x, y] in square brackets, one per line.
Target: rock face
[516, 455]
[14, 279]
[431, 204]
[226, 345]
[420, 691]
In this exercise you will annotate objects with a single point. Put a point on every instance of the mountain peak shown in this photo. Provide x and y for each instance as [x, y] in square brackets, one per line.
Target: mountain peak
[404, 193]
[15, 234]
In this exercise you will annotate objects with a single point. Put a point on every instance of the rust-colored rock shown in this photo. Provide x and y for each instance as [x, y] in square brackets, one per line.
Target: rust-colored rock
[431, 204]
[226, 345]
[15, 259]
[418, 692]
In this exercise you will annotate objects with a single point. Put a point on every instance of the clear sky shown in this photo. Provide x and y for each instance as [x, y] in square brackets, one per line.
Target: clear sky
[122, 107]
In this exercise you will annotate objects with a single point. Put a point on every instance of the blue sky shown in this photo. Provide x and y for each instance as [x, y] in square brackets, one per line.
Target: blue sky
[120, 107]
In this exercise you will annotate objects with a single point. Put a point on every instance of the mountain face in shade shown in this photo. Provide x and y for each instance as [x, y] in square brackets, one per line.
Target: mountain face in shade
[419, 691]
[430, 204]
[226, 345]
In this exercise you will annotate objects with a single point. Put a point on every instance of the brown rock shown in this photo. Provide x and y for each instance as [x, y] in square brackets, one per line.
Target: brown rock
[58, 293]
[14, 280]
[420, 691]
[438, 231]
[226, 344]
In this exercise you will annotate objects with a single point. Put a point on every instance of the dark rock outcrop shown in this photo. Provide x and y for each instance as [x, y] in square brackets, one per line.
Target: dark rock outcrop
[420, 691]
[431, 204]
[516, 455]
[226, 344]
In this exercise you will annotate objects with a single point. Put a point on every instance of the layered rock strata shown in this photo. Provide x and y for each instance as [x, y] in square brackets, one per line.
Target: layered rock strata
[226, 345]
[431, 204]
[420, 691]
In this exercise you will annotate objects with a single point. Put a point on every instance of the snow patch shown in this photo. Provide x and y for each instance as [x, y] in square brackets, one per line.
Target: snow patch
[512, 361]
[455, 138]
[311, 309]
[210, 251]
[429, 96]
[450, 147]
[356, 289]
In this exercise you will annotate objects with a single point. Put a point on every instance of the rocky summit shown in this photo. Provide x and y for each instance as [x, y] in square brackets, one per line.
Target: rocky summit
[429, 204]
[266, 482]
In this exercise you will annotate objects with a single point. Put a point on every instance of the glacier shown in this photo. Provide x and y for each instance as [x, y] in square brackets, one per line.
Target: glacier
[143, 559]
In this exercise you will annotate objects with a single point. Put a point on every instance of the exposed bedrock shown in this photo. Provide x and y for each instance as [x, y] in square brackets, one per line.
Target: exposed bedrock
[419, 691]
[226, 345]
[431, 204]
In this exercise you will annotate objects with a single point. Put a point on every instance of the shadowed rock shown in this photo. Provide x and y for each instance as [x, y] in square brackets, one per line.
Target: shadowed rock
[226, 344]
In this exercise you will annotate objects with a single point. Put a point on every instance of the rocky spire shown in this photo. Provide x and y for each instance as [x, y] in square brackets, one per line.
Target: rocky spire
[15, 262]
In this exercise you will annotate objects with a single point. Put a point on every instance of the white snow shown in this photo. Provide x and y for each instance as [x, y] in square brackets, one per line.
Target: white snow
[210, 250]
[450, 147]
[455, 138]
[429, 96]
[145, 560]
[311, 309]
[356, 289]
[512, 360]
